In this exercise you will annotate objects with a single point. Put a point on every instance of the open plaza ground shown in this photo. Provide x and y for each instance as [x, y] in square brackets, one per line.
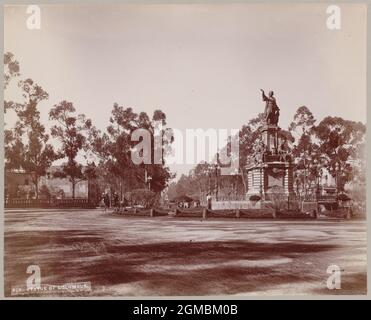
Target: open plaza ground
[132, 256]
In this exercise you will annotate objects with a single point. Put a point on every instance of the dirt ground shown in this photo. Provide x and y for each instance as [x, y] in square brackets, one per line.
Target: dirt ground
[131, 256]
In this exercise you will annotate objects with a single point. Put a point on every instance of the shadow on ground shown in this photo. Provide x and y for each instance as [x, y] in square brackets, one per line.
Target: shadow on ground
[173, 268]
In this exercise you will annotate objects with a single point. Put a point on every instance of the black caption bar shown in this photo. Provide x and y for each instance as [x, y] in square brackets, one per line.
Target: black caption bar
[175, 309]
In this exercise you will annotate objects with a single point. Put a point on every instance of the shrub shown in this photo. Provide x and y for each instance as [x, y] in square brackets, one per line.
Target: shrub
[277, 198]
[142, 197]
[44, 192]
[254, 198]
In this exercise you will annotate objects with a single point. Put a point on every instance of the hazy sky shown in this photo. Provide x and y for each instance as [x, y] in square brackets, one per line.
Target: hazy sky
[203, 65]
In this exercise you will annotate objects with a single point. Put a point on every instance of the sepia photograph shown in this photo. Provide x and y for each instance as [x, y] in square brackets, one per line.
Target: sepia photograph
[184, 150]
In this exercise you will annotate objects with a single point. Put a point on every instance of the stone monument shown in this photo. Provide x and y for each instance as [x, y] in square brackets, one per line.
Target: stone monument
[270, 165]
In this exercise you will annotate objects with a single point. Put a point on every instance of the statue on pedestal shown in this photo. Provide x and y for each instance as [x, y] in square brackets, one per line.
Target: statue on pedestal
[272, 112]
[269, 164]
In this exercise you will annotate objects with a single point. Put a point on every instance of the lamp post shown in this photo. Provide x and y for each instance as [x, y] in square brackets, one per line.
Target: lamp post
[306, 169]
[307, 164]
[217, 167]
[209, 172]
[235, 182]
[320, 180]
[261, 181]
[297, 182]
[147, 179]
[337, 169]
[149, 182]
[318, 174]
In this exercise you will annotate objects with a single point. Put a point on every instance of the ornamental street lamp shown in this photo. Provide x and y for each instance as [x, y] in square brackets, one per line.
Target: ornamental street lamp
[305, 173]
[261, 180]
[318, 175]
[235, 174]
[209, 173]
[217, 168]
[147, 179]
[297, 182]
[337, 169]
[308, 156]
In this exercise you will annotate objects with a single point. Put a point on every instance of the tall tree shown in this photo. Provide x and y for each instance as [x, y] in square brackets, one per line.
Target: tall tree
[11, 70]
[303, 121]
[69, 131]
[304, 151]
[340, 141]
[114, 148]
[26, 145]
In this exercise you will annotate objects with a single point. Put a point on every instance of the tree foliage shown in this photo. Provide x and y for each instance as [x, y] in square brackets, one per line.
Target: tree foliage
[26, 144]
[11, 68]
[340, 141]
[69, 131]
[114, 146]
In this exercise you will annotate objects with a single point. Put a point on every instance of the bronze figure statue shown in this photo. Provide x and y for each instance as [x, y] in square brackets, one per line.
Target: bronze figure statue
[272, 112]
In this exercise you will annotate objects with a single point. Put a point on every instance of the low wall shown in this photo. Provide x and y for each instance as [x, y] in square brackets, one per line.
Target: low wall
[48, 203]
[234, 205]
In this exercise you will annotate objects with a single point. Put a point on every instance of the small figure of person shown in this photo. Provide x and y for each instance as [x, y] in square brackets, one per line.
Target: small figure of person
[124, 203]
[116, 202]
[208, 201]
[101, 203]
[106, 200]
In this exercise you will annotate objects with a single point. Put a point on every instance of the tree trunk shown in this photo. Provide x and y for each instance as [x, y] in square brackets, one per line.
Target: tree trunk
[36, 183]
[121, 187]
[243, 180]
[89, 190]
[274, 214]
[73, 188]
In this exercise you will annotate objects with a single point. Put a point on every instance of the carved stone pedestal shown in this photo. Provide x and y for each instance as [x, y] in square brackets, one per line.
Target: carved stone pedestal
[271, 167]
